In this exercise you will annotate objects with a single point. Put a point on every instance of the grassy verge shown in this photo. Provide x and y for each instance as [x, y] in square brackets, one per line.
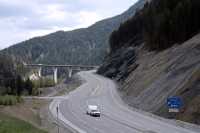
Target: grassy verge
[12, 125]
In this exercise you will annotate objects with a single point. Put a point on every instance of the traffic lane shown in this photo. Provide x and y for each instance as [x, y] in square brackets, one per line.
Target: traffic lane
[76, 107]
[65, 109]
[101, 124]
[130, 117]
[111, 109]
[114, 110]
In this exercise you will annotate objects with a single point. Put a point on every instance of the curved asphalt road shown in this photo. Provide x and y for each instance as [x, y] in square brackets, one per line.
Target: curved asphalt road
[115, 115]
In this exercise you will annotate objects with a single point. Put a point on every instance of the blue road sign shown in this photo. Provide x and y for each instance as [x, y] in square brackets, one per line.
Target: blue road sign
[174, 102]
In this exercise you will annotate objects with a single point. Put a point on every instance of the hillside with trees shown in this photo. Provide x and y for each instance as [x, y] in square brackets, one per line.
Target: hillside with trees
[158, 26]
[155, 55]
[81, 46]
[161, 23]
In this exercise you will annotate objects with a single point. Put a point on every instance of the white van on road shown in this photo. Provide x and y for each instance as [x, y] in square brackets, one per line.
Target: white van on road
[93, 110]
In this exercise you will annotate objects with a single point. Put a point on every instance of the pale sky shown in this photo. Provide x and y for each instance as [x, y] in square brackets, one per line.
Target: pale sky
[23, 19]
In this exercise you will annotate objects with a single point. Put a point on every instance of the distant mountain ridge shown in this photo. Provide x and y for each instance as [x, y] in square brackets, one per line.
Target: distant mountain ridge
[81, 46]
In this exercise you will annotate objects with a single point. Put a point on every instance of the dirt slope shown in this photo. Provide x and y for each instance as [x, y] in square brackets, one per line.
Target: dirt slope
[173, 72]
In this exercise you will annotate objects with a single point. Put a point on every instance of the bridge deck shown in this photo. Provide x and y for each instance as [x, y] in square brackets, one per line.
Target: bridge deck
[45, 65]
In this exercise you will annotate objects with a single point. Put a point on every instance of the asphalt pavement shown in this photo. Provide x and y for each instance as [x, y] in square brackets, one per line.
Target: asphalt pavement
[116, 117]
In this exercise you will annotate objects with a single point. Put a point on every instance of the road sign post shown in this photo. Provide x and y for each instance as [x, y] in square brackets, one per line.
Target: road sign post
[174, 104]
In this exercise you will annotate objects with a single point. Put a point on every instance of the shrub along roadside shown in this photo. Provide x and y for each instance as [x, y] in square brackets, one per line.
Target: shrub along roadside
[41, 83]
[10, 100]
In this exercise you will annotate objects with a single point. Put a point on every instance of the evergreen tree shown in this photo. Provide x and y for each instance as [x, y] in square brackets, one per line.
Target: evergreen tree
[19, 85]
[160, 24]
[29, 86]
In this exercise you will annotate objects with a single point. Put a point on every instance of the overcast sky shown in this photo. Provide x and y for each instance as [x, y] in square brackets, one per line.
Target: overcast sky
[24, 19]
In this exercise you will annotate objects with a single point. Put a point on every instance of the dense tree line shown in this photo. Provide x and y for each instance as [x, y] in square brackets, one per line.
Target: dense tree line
[160, 24]
[11, 81]
[128, 32]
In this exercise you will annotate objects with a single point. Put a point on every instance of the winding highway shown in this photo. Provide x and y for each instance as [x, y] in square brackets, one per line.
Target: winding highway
[116, 117]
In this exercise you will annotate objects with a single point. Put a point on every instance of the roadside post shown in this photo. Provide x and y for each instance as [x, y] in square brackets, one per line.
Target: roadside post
[57, 110]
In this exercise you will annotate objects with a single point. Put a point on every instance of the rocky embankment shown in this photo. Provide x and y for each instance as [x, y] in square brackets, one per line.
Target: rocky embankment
[149, 78]
[119, 64]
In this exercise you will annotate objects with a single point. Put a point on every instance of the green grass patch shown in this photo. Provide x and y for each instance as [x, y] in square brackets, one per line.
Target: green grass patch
[12, 125]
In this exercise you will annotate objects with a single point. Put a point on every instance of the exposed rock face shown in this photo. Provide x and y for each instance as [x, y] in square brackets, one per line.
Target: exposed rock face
[158, 75]
[117, 66]
[82, 46]
[163, 74]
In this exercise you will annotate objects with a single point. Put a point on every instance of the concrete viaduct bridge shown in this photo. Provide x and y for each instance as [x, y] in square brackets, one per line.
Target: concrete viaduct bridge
[55, 69]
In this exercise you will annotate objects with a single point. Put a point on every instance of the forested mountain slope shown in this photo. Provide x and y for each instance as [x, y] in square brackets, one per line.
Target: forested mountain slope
[81, 46]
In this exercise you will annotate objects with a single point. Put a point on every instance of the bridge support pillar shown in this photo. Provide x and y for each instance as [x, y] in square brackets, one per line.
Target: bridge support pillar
[40, 72]
[55, 75]
[70, 73]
